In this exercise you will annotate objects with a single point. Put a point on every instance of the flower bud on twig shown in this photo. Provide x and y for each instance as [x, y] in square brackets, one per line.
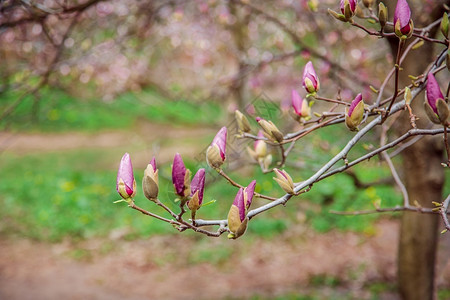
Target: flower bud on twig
[403, 23]
[237, 216]
[300, 107]
[284, 180]
[310, 80]
[180, 177]
[348, 8]
[215, 154]
[435, 107]
[382, 14]
[150, 181]
[355, 113]
[197, 190]
[126, 184]
[270, 130]
[248, 194]
[242, 121]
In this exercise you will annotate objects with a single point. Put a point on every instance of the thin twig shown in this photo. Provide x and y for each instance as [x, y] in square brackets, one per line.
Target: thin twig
[145, 212]
[234, 183]
[447, 148]
[332, 100]
[283, 156]
[382, 210]
[443, 211]
[396, 78]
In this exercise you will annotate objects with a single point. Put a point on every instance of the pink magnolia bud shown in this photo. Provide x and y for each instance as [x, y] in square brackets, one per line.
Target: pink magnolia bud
[433, 92]
[300, 106]
[237, 216]
[221, 141]
[348, 8]
[436, 108]
[198, 185]
[355, 113]
[310, 79]
[126, 184]
[248, 193]
[180, 177]
[403, 23]
[215, 154]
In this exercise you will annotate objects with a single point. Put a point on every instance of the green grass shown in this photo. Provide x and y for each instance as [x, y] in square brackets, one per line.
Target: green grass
[58, 111]
[70, 194]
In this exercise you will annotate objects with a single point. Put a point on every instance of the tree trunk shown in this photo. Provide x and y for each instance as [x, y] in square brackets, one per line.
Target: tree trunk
[239, 31]
[423, 175]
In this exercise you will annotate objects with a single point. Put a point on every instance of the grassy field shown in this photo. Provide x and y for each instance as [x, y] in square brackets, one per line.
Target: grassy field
[56, 111]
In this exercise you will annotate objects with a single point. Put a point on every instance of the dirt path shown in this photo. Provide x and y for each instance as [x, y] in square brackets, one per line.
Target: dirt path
[143, 132]
[162, 267]
[146, 139]
[140, 269]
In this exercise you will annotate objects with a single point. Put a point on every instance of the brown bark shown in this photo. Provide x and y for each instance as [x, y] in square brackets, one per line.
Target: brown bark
[423, 176]
[239, 32]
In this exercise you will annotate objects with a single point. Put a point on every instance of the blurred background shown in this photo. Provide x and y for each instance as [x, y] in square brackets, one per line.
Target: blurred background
[83, 82]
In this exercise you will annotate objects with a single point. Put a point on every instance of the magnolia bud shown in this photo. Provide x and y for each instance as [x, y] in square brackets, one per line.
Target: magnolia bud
[237, 216]
[403, 24]
[355, 113]
[284, 180]
[271, 131]
[248, 194]
[126, 184]
[300, 106]
[181, 177]
[348, 8]
[215, 154]
[435, 107]
[310, 80]
[197, 190]
[242, 121]
[194, 203]
[382, 14]
[213, 157]
[150, 181]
